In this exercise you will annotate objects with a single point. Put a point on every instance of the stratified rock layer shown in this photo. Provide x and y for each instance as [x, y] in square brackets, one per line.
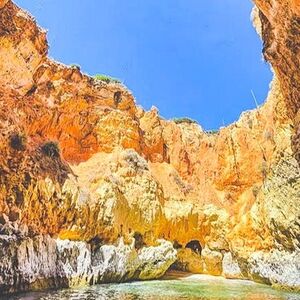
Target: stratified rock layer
[123, 173]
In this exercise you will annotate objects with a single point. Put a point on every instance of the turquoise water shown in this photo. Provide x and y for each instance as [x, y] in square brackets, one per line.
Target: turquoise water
[176, 289]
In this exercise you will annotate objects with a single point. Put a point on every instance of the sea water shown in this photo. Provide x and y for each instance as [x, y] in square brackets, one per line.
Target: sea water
[170, 288]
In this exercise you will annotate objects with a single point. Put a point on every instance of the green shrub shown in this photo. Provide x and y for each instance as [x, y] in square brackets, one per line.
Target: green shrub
[213, 131]
[18, 141]
[51, 149]
[106, 78]
[184, 120]
[75, 66]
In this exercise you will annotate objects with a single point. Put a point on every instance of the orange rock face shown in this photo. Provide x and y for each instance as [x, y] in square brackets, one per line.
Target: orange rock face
[123, 170]
[280, 32]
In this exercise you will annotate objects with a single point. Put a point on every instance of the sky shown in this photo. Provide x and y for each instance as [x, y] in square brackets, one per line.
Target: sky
[189, 58]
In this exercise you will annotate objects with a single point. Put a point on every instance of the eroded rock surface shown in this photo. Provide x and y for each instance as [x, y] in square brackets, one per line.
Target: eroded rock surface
[43, 262]
[123, 172]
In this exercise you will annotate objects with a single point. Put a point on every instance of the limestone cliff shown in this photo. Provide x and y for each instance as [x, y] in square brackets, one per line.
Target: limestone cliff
[228, 201]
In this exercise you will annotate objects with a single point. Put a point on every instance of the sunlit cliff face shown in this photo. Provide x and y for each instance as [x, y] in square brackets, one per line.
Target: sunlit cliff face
[123, 170]
[280, 30]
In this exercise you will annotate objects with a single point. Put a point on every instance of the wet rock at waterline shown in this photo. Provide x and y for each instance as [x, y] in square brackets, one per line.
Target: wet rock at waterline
[42, 262]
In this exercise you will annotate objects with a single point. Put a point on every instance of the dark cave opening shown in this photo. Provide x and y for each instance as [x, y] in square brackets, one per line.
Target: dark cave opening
[195, 246]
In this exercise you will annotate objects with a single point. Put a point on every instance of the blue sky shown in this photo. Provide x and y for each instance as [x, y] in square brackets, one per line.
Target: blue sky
[195, 58]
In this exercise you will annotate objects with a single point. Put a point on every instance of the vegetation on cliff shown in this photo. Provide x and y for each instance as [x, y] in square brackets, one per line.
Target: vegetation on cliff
[106, 78]
[184, 120]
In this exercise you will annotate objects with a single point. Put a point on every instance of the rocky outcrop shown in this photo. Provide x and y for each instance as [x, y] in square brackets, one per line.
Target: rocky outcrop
[278, 268]
[82, 163]
[280, 25]
[42, 262]
[230, 267]
[188, 261]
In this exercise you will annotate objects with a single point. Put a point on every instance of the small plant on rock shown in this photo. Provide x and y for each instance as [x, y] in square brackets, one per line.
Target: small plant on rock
[18, 141]
[106, 78]
[213, 131]
[184, 120]
[51, 149]
[75, 66]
